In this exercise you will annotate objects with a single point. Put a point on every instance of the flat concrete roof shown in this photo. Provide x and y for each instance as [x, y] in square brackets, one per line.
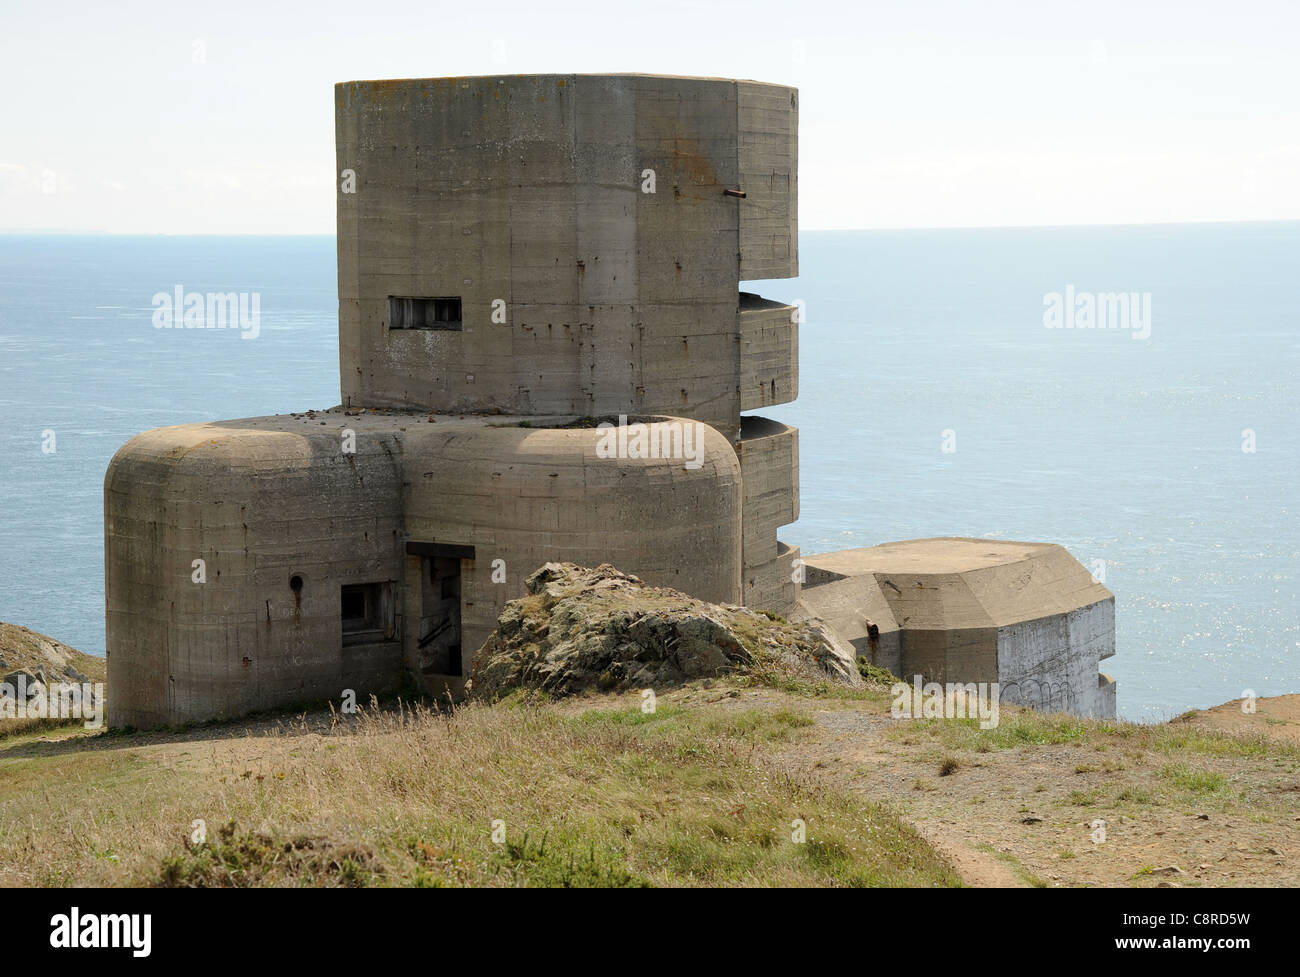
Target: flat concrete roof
[942, 554]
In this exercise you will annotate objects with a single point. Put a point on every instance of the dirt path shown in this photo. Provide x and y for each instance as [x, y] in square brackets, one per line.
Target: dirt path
[1108, 810]
[977, 868]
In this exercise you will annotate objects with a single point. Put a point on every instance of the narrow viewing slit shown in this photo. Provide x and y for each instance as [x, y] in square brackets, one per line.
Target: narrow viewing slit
[424, 313]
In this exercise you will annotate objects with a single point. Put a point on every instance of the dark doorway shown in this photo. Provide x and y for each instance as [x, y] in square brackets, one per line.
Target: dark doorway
[439, 641]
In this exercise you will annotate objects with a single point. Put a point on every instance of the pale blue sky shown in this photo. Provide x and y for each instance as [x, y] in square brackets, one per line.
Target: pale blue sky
[913, 114]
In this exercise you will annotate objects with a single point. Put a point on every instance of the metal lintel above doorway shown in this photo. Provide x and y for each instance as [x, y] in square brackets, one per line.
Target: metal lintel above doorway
[450, 551]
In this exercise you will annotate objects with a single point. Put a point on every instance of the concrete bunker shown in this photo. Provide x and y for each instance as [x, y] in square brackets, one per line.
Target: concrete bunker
[476, 457]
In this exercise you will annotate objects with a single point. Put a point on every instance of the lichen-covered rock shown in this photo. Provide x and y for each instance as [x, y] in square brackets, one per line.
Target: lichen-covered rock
[582, 628]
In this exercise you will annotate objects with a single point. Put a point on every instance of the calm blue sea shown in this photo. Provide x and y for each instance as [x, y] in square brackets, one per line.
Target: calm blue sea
[1129, 452]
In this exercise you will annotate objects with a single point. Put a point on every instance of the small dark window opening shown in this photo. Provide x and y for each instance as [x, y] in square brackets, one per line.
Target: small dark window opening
[367, 612]
[295, 584]
[427, 313]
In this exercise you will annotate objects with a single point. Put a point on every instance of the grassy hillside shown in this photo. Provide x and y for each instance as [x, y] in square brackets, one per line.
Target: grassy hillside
[704, 791]
[774, 772]
[598, 793]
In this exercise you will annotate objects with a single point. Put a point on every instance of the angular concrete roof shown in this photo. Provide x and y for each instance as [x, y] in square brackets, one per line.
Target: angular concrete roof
[955, 583]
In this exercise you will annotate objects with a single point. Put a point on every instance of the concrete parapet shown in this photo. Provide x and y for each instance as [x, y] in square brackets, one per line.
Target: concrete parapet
[769, 352]
[769, 461]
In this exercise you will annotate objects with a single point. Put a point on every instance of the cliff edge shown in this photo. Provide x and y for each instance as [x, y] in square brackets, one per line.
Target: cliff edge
[43, 659]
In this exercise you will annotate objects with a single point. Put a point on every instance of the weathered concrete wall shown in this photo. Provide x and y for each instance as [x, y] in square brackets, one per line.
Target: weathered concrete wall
[768, 120]
[1051, 663]
[264, 500]
[529, 190]
[258, 502]
[953, 654]
[528, 495]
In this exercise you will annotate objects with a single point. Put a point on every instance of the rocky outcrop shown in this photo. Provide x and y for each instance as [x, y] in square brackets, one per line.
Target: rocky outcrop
[583, 629]
[32, 662]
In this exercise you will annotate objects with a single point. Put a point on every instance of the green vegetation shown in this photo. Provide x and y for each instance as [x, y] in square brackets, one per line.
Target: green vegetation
[875, 674]
[1185, 778]
[1014, 730]
[608, 797]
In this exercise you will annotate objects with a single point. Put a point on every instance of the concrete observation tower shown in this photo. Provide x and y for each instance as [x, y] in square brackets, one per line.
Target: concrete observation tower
[520, 260]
